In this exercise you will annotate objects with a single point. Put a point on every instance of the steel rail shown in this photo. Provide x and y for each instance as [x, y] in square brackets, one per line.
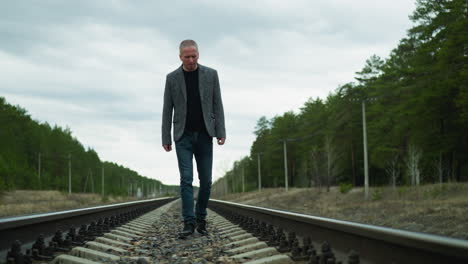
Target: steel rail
[27, 228]
[375, 244]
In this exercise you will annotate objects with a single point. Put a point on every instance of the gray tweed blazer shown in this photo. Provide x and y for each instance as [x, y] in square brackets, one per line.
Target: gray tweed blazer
[175, 101]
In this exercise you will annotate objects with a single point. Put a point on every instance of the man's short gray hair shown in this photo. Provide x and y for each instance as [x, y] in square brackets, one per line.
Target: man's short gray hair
[187, 43]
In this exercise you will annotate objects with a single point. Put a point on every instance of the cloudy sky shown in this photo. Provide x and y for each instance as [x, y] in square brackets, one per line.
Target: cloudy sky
[99, 67]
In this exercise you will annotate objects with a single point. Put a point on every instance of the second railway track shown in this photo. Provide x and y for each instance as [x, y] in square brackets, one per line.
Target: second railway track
[247, 234]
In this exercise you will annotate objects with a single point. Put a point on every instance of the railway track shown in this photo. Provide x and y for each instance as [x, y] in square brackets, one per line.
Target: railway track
[343, 241]
[27, 236]
[247, 234]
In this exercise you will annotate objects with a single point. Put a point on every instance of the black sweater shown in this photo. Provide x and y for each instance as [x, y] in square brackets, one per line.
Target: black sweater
[194, 120]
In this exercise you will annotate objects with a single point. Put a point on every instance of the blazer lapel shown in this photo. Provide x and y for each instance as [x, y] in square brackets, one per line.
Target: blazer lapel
[181, 81]
[201, 81]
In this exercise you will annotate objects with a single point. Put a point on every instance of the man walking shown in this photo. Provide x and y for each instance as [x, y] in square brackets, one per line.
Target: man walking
[193, 95]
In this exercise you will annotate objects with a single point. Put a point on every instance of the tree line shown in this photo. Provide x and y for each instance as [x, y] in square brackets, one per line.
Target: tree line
[415, 105]
[37, 156]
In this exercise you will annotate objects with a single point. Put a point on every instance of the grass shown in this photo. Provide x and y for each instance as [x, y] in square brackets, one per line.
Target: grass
[23, 202]
[436, 209]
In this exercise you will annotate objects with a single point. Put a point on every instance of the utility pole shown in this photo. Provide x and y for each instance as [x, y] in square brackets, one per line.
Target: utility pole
[286, 157]
[92, 180]
[364, 138]
[366, 165]
[243, 179]
[69, 173]
[259, 173]
[285, 165]
[39, 169]
[102, 177]
[236, 181]
[225, 182]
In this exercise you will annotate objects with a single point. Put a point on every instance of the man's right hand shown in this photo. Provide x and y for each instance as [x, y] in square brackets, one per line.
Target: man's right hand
[167, 148]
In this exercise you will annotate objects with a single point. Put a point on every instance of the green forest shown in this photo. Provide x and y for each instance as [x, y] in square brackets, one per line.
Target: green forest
[36, 156]
[416, 118]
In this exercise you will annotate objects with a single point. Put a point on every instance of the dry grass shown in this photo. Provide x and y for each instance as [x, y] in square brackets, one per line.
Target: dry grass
[30, 202]
[434, 209]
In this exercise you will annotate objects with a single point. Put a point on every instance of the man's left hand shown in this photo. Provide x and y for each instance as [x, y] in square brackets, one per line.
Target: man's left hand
[221, 141]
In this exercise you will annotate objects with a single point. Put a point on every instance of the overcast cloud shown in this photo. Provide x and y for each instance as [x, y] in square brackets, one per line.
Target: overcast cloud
[99, 67]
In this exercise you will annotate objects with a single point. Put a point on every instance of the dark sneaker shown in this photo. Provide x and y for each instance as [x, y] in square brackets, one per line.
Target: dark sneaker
[187, 231]
[201, 227]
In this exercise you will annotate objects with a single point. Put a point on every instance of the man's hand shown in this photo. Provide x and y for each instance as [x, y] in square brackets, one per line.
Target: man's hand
[167, 148]
[221, 141]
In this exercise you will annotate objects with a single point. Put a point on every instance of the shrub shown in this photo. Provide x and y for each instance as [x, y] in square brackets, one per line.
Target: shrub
[376, 195]
[345, 187]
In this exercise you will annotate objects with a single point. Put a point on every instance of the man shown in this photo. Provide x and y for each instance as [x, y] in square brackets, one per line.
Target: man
[193, 94]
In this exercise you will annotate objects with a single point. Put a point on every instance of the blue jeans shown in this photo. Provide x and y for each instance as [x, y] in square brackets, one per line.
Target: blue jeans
[200, 145]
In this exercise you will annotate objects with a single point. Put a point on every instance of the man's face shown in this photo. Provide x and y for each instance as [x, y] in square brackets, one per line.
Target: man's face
[189, 58]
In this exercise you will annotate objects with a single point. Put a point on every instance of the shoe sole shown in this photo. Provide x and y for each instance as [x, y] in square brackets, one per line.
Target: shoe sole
[184, 236]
